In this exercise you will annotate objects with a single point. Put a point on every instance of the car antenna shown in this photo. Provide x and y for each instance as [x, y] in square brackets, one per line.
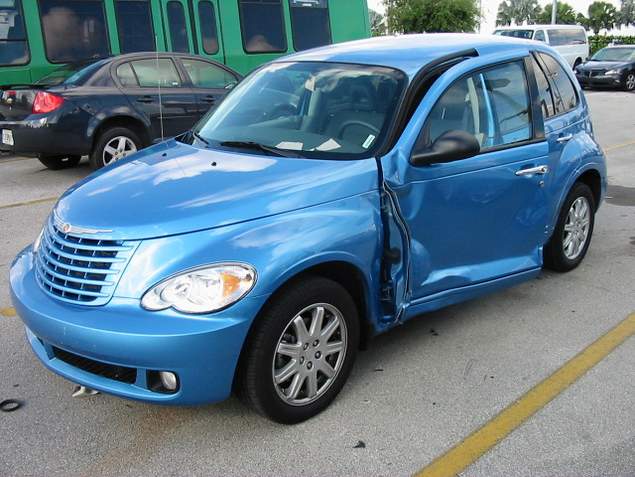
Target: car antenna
[156, 50]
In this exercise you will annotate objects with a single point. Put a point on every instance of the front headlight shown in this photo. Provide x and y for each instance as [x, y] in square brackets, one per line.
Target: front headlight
[613, 72]
[202, 290]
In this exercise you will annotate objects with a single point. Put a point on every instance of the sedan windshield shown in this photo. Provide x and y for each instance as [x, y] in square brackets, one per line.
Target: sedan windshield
[314, 109]
[615, 54]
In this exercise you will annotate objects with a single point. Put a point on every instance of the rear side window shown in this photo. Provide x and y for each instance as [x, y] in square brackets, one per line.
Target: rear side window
[544, 90]
[153, 73]
[209, 35]
[74, 31]
[126, 76]
[134, 25]
[492, 105]
[572, 36]
[178, 27]
[310, 24]
[207, 75]
[566, 99]
[262, 25]
[14, 49]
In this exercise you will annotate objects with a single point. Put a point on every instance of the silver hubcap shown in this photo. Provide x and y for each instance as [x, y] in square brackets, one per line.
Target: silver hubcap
[576, 228]
[630, 81]
[118, 148]
[309, 354]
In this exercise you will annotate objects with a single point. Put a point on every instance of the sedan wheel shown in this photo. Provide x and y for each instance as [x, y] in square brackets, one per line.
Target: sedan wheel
[629, 82]
[118, 148]
[309, 354]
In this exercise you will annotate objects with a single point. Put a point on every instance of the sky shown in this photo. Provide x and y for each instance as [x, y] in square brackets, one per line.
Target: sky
[490, 7]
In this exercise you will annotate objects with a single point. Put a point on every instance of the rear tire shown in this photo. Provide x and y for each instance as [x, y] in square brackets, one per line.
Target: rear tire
[56, 163]
[572, 236]
[113, 145]
[280, 342]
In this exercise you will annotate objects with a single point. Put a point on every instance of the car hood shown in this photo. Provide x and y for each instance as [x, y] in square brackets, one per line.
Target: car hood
[603, 65]
[174, 188]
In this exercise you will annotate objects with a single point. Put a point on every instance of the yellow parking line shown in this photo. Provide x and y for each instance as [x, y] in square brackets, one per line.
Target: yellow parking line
[619, 146]
[468, 451]
[28, 202]
[8, 312]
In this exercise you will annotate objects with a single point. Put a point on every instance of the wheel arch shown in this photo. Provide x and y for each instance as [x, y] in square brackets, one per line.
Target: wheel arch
[592, 178]
[127, 121]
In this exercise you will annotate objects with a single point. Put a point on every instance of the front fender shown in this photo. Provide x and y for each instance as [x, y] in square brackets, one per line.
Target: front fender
[278, 247]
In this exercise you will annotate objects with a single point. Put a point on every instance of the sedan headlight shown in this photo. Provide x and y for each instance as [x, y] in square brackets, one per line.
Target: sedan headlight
[202, 290]
[613, 72]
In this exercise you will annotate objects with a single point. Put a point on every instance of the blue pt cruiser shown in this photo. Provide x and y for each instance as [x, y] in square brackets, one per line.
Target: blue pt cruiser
[334, 194]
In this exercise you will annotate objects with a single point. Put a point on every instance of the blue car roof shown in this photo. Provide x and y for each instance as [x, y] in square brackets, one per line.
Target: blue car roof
[411, 52]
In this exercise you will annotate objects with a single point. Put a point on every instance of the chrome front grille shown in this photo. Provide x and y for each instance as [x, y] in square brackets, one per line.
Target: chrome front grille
[77, 269]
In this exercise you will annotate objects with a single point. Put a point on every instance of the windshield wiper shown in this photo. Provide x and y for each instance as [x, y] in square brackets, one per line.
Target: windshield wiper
[260, 147]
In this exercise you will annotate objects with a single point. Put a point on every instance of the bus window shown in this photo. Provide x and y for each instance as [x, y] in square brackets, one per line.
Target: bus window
[74, 31]
[134, 26]
[207, 19]
[262, 26]
[178, 28]
[14, 49]
[310, 24]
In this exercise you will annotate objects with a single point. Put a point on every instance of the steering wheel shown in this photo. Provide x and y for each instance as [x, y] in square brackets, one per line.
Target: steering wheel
[356, 122]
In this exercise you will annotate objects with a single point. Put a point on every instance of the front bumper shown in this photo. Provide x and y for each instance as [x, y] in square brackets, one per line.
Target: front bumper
[607, 81]
[203, 351]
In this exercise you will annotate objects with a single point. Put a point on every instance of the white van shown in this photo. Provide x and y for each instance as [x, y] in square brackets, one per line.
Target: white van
[568, 40]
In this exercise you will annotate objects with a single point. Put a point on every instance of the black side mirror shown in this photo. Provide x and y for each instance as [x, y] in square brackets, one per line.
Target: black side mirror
[450, 146]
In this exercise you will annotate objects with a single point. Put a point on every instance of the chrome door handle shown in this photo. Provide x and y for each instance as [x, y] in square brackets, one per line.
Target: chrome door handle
[566, 138]
[533, 170]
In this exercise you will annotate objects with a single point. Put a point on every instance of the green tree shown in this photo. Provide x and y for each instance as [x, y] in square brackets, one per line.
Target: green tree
[565, 14]
[518, 12]
[601, 15]
[377, 23]
[627, 13]
[418, 16]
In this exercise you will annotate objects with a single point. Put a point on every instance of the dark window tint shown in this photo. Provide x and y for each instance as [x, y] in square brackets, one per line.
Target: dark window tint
[74, 31]
[262, 26]
[492, 105]
[209, 35]
[567, 99]
[540, 35]
[134, 23]
[126, 76]
[527, 34]
[14, 49]
[544, 90]
[178, 27]
[310, 24]
[559, 37]
[207, 75]
[152, 72]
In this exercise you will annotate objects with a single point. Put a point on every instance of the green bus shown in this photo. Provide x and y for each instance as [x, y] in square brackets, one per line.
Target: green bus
[38, 36]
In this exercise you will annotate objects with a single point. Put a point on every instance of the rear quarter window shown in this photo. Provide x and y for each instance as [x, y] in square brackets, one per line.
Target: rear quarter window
[566, 98]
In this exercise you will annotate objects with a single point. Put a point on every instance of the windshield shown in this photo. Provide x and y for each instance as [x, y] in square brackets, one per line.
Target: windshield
[526, 34]
[72, 74]
[615, 54]
[315, 109]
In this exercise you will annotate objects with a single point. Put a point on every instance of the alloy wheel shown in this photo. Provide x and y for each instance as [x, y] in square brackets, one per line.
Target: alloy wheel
[630, 82]
[576, 228]
[118, 148]
[309, 354]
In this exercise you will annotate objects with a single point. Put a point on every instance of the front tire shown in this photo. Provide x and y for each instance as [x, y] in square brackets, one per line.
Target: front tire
[113, 145]
[629, 82]
[301, 351]
[57, 163]
[572, 236]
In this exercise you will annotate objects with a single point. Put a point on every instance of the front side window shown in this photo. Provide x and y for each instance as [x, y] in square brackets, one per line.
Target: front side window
[540, 35]
[178, 27]
[310, 23]
[567, 98]
[492, 105]
[311, 109]
[209, 35]
[262, 25]
[544, 90]
[134, 25]
[14, 49]
[74, 31]
[207, 75]
[153, 73]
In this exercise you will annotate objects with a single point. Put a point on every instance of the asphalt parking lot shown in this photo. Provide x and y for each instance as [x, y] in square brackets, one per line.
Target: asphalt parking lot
[417, 392]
